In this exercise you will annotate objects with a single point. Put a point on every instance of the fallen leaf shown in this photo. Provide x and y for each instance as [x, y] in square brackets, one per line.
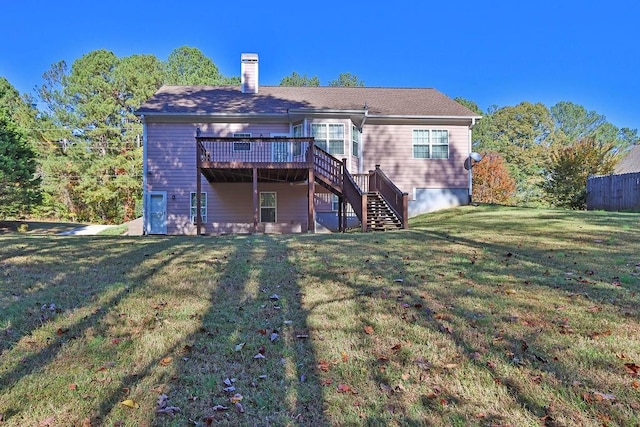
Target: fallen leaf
[632, 368]
[219, 408]
[603, 396]
[236, 398]
[262, 331]
[169, 410]
[345, 357]
[635, 384]
[239, 407]
[130, 403]
[368, 330]
[47, 422]
[343, 388]
[166, 361]
[240, 346]
[326, 382]
[274, 336]
[396, 347]
[62, 331]
[450, 366]
[323, 365]
[73, 386]
[259, 356]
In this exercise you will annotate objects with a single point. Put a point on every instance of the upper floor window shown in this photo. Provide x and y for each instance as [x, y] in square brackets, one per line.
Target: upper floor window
[242, 146]
[430, 144]
[356, 136]
[329, 136]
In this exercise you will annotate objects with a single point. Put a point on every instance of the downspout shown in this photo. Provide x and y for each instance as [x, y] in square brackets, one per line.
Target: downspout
[361, 153]
[473, 123]
[144, 174]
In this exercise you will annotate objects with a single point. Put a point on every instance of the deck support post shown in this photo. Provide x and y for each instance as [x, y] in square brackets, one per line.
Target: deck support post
[364, 212]
[340, 214]
[198, 188]
[311, 189]
[256, 205]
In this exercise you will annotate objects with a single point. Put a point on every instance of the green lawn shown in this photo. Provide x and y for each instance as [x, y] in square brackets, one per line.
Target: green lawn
[474, 316]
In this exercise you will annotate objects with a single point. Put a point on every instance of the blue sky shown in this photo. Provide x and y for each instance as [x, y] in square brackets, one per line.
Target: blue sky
[494, 52]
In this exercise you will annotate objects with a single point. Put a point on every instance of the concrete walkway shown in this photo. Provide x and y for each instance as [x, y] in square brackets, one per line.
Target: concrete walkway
[87, 230]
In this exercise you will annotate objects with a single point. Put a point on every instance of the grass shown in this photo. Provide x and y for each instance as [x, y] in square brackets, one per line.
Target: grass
[474, 316]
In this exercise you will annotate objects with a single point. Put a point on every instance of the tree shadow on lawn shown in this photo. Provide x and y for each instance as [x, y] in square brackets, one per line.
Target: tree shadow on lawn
[455, 320]
[240, 309]
[248, 343]
[60, 278]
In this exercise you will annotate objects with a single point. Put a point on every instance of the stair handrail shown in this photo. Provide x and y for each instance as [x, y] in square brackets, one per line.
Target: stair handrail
[354, 195]
[397, 200]
[328, 166]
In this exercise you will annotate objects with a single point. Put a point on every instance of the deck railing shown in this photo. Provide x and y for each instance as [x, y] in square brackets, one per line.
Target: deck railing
[253, 150]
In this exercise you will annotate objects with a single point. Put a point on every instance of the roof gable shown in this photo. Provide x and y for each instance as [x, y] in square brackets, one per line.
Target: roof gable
[215, 100]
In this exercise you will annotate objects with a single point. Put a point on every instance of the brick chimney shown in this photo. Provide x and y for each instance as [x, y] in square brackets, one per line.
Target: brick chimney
[249, 72]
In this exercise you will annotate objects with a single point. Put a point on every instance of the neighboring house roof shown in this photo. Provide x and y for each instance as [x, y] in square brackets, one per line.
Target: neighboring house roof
[229, 100]
[629, 163]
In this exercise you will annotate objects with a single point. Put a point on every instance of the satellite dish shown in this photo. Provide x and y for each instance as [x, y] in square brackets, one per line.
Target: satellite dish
[472, 160]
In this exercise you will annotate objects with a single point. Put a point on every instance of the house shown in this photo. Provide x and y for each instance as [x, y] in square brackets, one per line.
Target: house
[267, 159]
[630, 163]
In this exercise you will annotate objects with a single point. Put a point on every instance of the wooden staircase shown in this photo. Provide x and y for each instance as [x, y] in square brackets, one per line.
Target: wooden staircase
[380, 217]
[380, 207]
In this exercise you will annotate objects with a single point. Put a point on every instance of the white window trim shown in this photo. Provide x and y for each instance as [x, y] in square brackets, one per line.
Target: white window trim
[430, 144]
[335, 202]
[356, 132]
[275, 194]
[193, 207]
[327, 140]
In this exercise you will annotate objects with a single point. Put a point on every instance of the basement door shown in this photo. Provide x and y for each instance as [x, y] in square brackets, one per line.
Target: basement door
[157, 222]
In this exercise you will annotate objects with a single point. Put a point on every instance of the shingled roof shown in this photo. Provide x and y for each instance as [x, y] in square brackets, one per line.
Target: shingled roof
[204, 100]
[629, 163]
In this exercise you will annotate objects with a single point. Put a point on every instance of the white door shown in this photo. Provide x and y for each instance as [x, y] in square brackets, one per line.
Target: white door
[157, 221]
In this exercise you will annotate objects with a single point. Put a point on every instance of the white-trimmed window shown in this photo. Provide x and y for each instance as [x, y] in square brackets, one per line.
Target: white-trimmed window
[335, 202]
[329, 136]
[430, 144]
[268, 206]
[356, 137]
[297, 146]
[242, 146]
[194, 205]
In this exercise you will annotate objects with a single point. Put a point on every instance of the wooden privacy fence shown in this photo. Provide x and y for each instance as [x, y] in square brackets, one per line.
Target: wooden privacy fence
[614, 192]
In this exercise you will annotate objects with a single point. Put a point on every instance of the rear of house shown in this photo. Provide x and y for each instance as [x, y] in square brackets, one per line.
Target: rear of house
[267, 159]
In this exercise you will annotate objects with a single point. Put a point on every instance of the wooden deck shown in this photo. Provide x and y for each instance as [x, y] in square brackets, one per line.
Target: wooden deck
[283, 159]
